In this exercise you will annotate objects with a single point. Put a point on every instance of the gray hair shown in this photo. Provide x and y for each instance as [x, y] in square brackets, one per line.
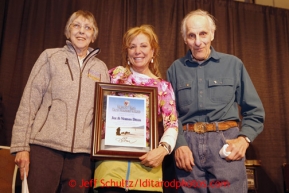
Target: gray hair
[200, 12]
[87, 15]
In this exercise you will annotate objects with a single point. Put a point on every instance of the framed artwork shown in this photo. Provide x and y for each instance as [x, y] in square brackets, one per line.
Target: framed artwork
[122, 114]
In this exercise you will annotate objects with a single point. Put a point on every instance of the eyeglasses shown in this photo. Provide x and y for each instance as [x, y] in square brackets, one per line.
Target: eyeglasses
[77, 26]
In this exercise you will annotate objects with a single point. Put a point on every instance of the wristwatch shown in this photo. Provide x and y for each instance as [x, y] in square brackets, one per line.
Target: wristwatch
[246, 138]
[166, 146]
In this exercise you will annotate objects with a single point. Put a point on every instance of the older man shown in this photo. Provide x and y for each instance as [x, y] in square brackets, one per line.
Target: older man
[209, 87]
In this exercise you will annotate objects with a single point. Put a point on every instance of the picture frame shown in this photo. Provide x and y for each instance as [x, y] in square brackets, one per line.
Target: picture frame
[120, 121]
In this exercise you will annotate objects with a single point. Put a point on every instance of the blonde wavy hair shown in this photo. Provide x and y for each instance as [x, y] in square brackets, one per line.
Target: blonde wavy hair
[148, 31]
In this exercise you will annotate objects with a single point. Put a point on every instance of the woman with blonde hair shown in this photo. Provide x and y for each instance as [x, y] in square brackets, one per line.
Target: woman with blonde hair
[140, 55]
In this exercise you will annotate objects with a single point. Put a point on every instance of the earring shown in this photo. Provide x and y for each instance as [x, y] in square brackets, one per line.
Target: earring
[152, 60]
[128, 62]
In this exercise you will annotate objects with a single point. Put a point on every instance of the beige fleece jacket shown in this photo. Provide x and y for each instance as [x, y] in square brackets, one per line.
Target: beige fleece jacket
[56, 109]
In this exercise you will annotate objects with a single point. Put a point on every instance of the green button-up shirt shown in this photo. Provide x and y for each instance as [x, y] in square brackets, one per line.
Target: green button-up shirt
[213, 90]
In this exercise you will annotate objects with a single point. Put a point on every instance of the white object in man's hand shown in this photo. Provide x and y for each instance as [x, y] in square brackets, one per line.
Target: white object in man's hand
[223, 153]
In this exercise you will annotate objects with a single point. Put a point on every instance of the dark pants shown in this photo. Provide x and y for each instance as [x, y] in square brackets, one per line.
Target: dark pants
[56, 171]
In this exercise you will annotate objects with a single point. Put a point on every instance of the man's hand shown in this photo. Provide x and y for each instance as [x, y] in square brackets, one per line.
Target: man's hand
[22, 160]
[237, 147]
[184, 158]
[154, 158]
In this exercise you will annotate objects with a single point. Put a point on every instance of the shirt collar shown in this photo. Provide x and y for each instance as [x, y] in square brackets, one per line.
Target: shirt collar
[213, 55]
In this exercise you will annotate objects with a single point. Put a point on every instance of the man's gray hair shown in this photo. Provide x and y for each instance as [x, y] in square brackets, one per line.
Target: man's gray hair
[200, 12]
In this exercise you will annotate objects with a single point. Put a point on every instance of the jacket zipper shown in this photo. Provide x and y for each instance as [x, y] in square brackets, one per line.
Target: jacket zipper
[78, 97]
[127, 176]
[67, 63]
[75, 118]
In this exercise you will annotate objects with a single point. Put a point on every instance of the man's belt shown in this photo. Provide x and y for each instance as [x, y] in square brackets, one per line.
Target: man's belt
[203, 127]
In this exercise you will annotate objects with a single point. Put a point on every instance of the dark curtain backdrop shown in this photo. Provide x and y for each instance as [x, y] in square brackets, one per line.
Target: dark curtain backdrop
[258, 35]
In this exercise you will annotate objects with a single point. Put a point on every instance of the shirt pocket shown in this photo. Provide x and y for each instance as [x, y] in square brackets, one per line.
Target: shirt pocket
[221, 90]
[184, 93]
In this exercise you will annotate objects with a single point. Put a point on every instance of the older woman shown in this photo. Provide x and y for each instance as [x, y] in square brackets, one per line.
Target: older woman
[140, 58]
[52, 130]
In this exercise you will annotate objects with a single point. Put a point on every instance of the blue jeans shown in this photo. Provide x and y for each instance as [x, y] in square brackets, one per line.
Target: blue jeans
[211, 173]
